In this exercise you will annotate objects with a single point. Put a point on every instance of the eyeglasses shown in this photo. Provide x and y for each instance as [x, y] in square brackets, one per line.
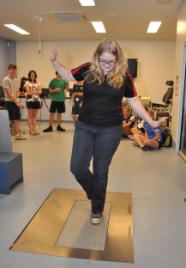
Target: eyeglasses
[109, 62]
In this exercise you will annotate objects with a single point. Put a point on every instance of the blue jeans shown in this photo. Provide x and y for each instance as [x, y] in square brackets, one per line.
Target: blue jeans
[99, 144]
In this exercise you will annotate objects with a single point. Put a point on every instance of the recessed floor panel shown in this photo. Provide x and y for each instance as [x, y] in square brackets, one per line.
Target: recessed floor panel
[47, 231]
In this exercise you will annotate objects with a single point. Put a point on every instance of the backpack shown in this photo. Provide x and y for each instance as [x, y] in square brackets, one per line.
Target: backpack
[166, 138]
[168, 95]
[22, 84]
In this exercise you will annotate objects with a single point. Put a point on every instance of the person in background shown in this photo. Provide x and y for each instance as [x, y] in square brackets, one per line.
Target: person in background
[77, 98]
[128, 120]
[98, 130]
[138, 128]
[152, 137]
[57, 88]
[12, 103]
[33, 101]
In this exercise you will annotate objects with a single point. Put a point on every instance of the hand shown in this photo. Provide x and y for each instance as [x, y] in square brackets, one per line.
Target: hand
[159, 122]
[53, 53]
[155, 124]
[19, 105]
[163, 120]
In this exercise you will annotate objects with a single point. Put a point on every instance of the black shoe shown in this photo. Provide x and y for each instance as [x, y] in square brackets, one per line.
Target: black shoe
[48, 129]
[145, 148]
[59, 128]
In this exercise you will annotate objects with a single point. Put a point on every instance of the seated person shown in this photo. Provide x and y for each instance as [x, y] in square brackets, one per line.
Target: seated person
[138, 128]
[128, 120]
[151, 139]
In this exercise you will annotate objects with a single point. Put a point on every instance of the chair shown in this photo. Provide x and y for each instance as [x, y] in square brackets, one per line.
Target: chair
[167, 98]
[164, 114]
[164, 110]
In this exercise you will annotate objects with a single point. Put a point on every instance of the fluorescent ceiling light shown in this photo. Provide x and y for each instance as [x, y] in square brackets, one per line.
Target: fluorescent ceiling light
[99, 26]
[16, 29]
[87, 3]
[153, 26]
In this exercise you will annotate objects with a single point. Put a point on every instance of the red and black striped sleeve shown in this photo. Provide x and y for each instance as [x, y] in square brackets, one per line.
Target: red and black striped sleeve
[80, 72]
[130, 89]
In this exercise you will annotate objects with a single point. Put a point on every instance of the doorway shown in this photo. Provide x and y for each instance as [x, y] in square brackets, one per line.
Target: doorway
[182, 147]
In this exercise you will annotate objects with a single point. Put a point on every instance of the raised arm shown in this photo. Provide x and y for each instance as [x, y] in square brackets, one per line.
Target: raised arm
[60, 68]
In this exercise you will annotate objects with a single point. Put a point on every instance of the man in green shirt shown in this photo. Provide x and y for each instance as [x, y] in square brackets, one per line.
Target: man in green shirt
[57, 90]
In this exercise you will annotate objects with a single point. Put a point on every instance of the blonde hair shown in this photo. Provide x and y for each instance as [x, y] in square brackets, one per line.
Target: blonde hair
[116, 77]
[126, 107]
[151, 113]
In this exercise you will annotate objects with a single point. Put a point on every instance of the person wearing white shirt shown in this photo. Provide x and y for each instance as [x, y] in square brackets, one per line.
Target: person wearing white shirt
[33, 101]
[12, 103]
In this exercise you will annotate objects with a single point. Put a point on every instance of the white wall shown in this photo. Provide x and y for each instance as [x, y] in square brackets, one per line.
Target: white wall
[156, 61]
[179, 74]
[156, 65]
[7, 56]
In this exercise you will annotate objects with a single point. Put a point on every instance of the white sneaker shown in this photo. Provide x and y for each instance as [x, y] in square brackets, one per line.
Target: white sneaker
[36, 132]
[12, 132]
[20, 137]
[131, 137]
[31, 132]
[96, 218]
